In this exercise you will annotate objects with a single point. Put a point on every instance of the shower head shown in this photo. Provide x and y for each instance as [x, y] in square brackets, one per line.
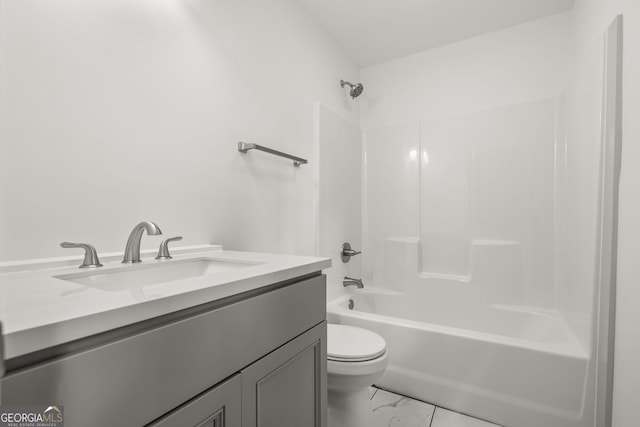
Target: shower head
[356, 89]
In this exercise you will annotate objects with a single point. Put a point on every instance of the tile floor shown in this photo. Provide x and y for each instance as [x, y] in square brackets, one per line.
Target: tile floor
[394, 410]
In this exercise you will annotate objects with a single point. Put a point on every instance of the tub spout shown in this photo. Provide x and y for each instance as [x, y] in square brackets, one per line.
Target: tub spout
[349, 281]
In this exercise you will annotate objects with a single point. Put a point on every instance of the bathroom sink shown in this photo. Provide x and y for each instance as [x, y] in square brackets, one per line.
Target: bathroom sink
[135, 276]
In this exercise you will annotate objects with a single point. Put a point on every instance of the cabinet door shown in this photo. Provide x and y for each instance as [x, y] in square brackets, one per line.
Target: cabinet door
[288, 387]
[217, 407]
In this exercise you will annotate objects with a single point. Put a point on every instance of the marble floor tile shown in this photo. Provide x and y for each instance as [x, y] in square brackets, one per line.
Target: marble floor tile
[446, 418]
[393, 410]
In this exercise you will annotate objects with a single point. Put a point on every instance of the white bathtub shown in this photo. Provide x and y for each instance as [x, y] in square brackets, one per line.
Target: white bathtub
[506, 364]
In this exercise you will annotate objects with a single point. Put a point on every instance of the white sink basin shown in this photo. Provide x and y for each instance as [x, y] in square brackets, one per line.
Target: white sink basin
[135, 276]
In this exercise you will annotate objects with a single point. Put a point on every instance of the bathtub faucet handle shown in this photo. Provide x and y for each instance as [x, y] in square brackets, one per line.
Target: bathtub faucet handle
[350, 281]
[346, 252]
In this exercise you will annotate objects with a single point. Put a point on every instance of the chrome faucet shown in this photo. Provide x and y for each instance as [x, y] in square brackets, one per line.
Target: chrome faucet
[349, 281]
[132, 251]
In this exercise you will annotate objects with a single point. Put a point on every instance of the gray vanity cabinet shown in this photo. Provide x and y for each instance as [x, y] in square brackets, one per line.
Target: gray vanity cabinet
[257, 358]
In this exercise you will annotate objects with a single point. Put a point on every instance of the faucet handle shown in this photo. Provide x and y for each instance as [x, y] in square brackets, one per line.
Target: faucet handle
[346, 252]
[90, 255]
[163, 251]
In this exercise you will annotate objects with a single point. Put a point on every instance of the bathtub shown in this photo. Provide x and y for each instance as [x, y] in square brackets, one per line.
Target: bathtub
[507, 364]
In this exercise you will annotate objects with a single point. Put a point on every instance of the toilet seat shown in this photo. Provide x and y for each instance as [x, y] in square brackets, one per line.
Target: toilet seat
[352, 344]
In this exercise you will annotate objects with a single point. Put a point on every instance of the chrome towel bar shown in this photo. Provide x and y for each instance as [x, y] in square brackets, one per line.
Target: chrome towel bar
[243, 147]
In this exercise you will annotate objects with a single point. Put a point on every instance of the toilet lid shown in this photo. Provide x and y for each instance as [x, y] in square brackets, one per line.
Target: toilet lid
[353, 344]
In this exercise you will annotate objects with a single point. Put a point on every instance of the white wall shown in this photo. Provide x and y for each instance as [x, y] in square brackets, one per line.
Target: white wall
[117, 111]
[592, 17]
[519, 64]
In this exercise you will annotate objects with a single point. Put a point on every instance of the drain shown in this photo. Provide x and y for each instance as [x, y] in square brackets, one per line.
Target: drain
[351, 304]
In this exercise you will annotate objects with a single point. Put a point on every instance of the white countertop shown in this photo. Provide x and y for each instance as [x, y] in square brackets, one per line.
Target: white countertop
[39, 310]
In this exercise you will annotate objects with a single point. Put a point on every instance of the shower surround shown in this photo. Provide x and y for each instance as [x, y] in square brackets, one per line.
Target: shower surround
[468, 240]
[481, 224]
[477, 191]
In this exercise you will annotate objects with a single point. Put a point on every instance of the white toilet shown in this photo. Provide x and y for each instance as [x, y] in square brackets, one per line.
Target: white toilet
[356, 358]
